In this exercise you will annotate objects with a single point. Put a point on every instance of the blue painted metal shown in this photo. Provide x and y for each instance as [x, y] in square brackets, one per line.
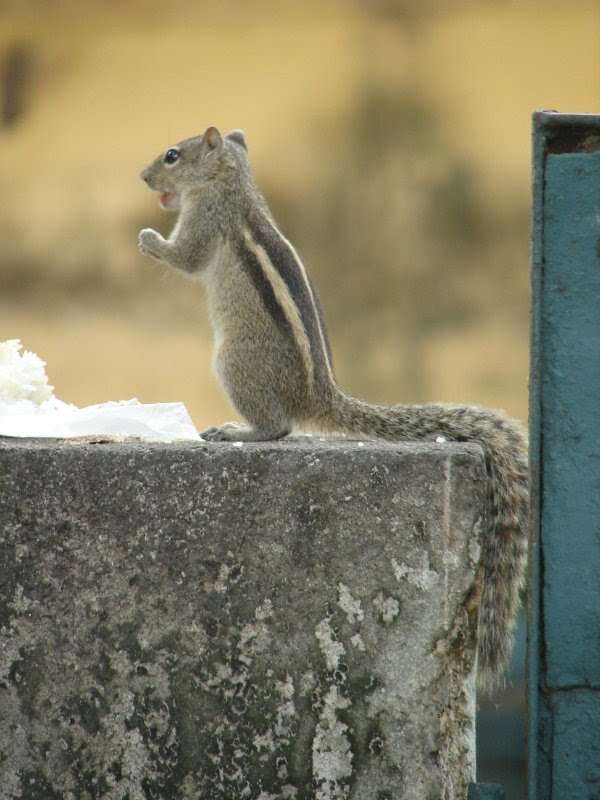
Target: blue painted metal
[564, 610]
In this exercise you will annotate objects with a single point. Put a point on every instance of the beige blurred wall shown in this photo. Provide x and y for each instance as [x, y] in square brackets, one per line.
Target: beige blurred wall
[108, 88]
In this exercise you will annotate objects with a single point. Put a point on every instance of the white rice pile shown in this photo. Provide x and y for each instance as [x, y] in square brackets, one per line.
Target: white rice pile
[22, 374]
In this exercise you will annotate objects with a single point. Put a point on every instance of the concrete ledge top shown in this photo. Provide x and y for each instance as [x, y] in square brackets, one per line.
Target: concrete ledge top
[301, 443]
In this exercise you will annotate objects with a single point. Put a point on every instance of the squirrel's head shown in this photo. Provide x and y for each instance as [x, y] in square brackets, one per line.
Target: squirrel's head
[194, 164]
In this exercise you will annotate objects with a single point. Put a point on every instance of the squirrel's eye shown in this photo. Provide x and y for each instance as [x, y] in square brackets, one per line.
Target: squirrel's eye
[171, 156]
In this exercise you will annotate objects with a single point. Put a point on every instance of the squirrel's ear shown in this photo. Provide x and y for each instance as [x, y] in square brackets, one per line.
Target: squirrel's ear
[212, 138]
[238, 137]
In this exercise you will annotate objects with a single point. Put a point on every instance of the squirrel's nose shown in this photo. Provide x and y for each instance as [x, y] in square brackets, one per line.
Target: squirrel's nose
[145, 175]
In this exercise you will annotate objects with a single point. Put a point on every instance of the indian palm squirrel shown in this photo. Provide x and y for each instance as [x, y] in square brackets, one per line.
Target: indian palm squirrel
[272, 355]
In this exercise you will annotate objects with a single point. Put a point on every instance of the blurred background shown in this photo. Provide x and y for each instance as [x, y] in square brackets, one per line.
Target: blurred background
[392, 139]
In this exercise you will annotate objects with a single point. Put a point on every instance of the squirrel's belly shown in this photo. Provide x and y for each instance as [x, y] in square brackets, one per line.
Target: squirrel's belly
[254, 351]
[254, 362]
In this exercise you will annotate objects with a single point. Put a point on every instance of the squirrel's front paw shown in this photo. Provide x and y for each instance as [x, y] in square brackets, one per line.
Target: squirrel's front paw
[150, 243]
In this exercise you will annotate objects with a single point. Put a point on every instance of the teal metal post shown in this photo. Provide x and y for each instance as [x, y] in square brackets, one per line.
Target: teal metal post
[564, 610]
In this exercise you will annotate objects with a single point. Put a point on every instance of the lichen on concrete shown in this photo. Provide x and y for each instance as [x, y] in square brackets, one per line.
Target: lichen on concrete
[203, 621]
[388, 607]
[422, 577]
[349, 605]
[331, 750]
[333, 650]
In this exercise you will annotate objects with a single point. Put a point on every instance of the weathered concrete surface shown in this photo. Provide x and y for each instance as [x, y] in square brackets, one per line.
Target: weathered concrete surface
[269, 621]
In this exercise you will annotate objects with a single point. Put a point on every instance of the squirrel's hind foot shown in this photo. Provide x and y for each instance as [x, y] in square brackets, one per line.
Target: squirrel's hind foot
[233, 432]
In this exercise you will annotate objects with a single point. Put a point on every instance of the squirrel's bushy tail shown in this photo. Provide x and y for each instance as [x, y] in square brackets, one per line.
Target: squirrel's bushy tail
[504, 548]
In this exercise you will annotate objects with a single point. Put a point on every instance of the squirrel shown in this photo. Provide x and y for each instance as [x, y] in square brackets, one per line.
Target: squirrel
[272, 356]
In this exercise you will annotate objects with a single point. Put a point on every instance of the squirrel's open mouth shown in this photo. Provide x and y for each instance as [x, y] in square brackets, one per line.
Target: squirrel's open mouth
[169, 200]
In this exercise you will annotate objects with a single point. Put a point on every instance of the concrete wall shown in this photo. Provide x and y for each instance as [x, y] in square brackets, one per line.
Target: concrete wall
[210, 621]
